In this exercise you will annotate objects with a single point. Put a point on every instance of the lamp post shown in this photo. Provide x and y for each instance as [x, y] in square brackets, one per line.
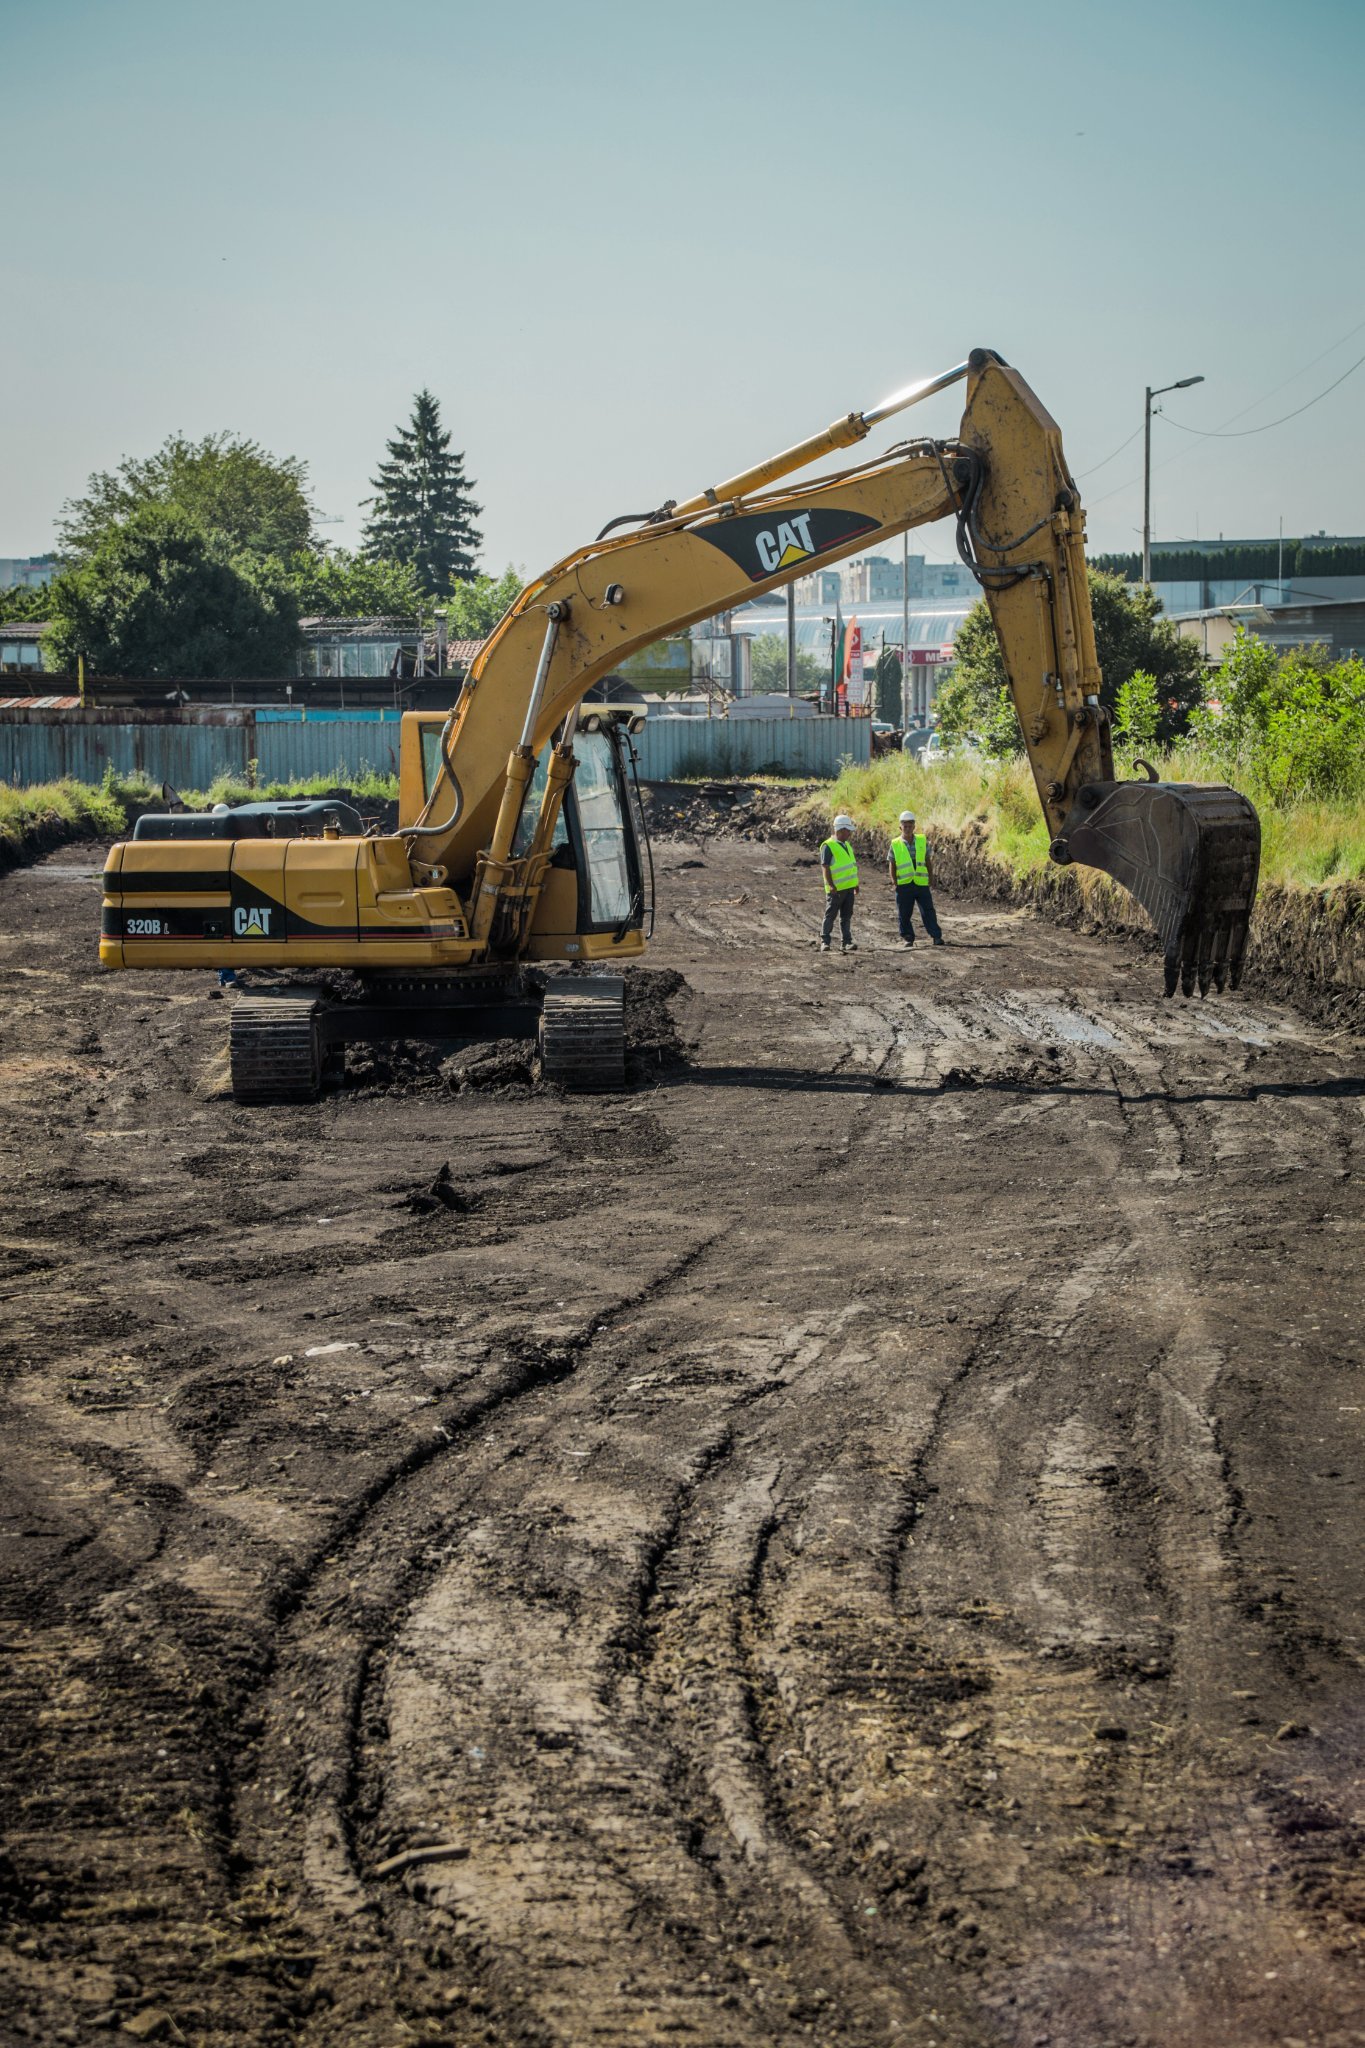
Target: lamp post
[1181, 384]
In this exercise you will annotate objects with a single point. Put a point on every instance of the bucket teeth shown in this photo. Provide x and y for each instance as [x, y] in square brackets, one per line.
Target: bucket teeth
[1190, 854]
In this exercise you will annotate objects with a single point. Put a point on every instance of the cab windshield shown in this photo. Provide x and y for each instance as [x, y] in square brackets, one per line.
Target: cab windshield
[597, 787]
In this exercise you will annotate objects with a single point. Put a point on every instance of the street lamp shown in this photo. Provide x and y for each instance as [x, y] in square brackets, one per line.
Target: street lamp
[1181, 384]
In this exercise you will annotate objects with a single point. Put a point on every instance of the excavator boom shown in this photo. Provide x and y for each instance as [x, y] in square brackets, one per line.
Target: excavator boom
[1190, 855]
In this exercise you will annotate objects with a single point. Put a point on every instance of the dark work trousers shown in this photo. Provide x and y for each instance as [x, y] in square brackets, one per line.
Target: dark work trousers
[908, 894]
[839, 903]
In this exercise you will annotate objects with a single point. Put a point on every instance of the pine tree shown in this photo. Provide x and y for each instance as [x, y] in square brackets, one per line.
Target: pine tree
[423, 513]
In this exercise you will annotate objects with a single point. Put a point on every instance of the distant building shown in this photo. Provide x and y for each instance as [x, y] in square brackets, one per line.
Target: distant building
[822, 586]
[1338, 625]
[21, 648]
[1195, 576]
[355, 647]
[719, 656]
[26, 572]
[878, 579]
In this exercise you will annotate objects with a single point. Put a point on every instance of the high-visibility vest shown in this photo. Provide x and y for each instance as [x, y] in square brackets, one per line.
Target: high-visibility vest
[842, 872]
[911, 865]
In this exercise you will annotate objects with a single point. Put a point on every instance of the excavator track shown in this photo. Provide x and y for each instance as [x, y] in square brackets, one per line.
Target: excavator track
[583, 1034]
[275, 1047]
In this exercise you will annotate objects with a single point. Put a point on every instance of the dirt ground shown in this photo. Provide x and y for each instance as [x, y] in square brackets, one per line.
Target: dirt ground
[856, 1540]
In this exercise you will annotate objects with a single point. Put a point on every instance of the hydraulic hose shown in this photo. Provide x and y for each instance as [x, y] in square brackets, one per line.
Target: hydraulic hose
[424, 831]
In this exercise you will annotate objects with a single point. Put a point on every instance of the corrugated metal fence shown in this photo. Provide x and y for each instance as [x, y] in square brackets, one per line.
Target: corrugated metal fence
[192, 754]
[672, 749]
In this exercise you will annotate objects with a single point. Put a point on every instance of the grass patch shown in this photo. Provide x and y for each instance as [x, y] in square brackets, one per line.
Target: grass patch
[53, 811]
[1318, 844]
[233, 789]
[69, 810]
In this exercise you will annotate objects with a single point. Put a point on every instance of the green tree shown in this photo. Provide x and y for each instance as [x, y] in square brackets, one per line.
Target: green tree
[1130, 634]
[886, 684]
[160, 597]
[338, 585]
[251, 502]
[1295, 721]
[768, 666]
[423, 512]
[1137, 710]
[473, 608]
[21, 602]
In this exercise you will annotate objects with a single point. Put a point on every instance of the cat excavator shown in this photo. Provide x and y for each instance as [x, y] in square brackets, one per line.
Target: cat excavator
[519, 851]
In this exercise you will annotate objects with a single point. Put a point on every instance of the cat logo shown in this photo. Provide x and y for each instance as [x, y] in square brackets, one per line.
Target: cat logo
[790, 543]
[761, 545]
[250, 923]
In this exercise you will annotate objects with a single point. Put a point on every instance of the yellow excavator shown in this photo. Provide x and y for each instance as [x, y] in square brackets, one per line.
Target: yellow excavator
[519, 848]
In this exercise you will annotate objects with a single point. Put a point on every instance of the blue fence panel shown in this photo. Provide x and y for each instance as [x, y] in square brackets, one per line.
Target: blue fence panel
[284, 714]
[190, 756]
[674, 748]
[341, 748]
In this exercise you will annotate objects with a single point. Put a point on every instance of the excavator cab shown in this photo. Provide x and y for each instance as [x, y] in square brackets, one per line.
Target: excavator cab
[598, 885]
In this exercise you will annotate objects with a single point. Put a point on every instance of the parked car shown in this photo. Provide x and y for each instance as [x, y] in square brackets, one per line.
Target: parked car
[963, 747]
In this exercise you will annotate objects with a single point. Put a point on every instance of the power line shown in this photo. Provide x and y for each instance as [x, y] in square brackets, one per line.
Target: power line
[1302, 371]
[1220, 434]
[1109, 458]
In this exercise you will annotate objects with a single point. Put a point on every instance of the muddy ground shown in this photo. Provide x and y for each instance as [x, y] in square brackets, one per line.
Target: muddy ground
[854, 1541]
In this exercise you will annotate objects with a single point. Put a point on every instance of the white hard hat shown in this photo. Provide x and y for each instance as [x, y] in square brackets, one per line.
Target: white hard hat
[907, 818]
[221, 810]
[843, 823]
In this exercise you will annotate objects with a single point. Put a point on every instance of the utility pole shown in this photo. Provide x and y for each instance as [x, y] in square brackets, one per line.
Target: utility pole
[905, 629]
[791, 639]
[1181, 384]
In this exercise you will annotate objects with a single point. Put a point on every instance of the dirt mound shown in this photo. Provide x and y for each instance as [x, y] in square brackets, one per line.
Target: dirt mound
[656, 1037]
[749, 810]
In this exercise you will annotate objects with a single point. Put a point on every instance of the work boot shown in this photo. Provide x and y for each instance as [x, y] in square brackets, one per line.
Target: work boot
[824, 945]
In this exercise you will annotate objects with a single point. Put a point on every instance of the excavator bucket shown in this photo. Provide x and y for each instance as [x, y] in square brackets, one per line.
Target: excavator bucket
[1190, 854]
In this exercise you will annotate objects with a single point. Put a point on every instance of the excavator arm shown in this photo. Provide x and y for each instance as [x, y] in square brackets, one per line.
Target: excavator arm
[1188, 853]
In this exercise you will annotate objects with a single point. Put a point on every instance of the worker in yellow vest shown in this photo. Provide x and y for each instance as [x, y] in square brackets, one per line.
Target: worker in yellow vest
[909, 868]
[840, 867]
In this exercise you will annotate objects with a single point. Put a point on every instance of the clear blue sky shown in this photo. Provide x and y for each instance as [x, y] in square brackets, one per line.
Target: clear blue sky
[633, 247]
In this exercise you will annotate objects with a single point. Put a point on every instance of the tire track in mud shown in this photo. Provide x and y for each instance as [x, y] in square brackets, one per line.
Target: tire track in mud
[630, 1869]
[293, 1815]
